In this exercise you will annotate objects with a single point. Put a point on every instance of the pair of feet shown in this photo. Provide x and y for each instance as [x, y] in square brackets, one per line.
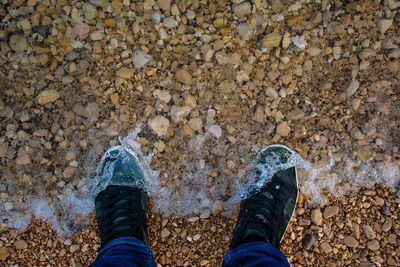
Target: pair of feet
[264, 216]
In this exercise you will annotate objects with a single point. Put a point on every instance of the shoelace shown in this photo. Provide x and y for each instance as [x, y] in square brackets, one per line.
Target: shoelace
[268, 212]
[121, 216]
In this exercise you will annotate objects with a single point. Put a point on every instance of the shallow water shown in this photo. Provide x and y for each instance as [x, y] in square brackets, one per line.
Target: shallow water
[192, 197]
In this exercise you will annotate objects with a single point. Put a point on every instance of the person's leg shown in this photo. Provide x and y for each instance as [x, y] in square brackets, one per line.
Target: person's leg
[121, 211]
[265, 215]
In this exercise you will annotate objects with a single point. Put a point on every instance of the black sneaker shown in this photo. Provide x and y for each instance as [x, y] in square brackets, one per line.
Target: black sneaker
[266, 214]
[121, 207]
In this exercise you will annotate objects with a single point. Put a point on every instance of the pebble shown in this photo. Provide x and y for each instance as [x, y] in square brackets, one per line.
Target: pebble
[384, 24]
[271, 92]
[18, 43]
[89, 11]
[244, 31]
[125, 73]
[47, 96]
[271, 40]
[308, 241]
[164, 4]
[165, 233]
[159, 124]
[369, 232]
[215, 130]
[314, 51]
[163, 95]
[283, 129]
[350, 241]
[299, 42]
[81, 30]
[330, 211]
[387, 225]
[352, 88]
[242, 10]
[4, 253]
[20, 244]
[183, 76]
[178, 113]
[276, 6]
[316, 217]
[97, 35]
[373, 245]
[140, 59]
[170, 23]
[73, 248]
[286, 40]
[99, 3]
[325, 247]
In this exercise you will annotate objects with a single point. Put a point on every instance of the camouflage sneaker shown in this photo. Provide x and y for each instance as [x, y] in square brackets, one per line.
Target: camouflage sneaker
[121, 207]
[266, 214]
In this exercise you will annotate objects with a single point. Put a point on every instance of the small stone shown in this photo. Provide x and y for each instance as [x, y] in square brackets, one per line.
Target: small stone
[276, 6]
[178, 113]
[242, 10]
[218, 44]
[89, 11]
[159, 145]
[387, 225]
[165, 233]
[117, 5]
[330, 211]
[47, 96]
[286, 40]
[4, 253]
[271, 40]
[196, 237]
[308, 241]
[164, 4]
[81, 30]
[183, 76]
[170, 23]
[140, 59]
[73, 248]
[299, 42]
[369, 232]
[215, 130]
[314, 51]
[350, 241]
[316, 217]
[217, 207]
[125, 73]
[195, 124]
[393, 66]
[244, 31]
[271, 92]
[67, 173]
[20, 244]
[325, 247]
[97, 35]
[163, 95]
[373, 245]
[283, 129]
[159, 124]
[18, 43]
[352, 88]
[259, 116]
[337, 50]
[99, 3]
[384, 24]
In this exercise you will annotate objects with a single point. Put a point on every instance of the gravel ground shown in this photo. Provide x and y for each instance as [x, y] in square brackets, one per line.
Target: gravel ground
[210, 83]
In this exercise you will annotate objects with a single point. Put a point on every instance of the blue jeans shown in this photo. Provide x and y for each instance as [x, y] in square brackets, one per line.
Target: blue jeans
[129, 251]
